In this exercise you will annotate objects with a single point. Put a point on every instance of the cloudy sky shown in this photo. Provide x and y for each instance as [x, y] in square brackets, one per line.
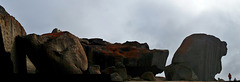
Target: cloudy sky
[163, 24]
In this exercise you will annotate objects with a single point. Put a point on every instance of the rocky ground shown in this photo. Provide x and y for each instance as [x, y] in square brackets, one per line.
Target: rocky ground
[61, 53]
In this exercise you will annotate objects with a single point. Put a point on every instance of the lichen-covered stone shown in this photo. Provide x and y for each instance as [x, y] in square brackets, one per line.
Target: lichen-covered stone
[135, 56]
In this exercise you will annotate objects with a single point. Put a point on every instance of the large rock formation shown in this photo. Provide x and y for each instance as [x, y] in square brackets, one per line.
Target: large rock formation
[10, 28]
[135, 56]
[59, 52]
[202, 53]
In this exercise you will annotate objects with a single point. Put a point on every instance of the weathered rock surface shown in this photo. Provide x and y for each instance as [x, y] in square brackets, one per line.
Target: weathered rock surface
[59, 52]
[202, 53]
[180, 72]
[10, 28]
[135, 56]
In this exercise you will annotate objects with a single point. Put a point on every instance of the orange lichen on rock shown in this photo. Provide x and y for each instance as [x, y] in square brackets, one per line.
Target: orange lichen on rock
[136, 57]
[54, 34]
[123, 50]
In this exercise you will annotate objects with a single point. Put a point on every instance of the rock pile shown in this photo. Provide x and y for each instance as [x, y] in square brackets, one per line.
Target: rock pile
[60, 52]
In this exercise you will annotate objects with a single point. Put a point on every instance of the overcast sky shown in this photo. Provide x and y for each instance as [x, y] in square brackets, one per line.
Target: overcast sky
[163, 24]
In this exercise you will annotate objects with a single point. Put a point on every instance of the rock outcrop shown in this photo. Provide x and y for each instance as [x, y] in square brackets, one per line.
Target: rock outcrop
[202, 53]
[56, 53]
[60, 52]
[135, 56]
[10, 55]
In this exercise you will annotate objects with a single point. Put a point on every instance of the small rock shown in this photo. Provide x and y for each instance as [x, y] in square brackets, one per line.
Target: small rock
[136, 79]
[148, 76]
[95, 69]
[220, 80]
[116, 77]
[109, 70]
[119, 68]
[55, 30]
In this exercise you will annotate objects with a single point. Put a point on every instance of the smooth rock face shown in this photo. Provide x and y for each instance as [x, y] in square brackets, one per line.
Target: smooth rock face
[10, 28]
[135, 56]
[55, 53]
[202, 53]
